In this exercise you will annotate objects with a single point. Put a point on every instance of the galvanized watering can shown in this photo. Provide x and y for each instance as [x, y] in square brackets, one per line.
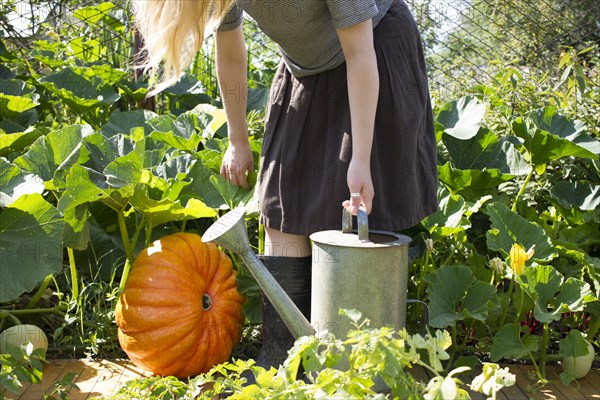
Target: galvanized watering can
[365, 271]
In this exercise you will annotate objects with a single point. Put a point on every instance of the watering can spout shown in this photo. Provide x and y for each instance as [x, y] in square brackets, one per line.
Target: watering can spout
[230, 233]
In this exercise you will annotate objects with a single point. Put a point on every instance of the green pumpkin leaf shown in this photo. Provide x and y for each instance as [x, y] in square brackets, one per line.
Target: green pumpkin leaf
[126, 170]
[51, 156]
[548, 119]
[202, 188]
[472, 183]
[486, 151]
[10, 143]
[549, 136]
[180, 133]
[574, 295]
[124, 122]
[573, 345]
[508, 343]
[158, 212]
[12, 106]
[477, 300]
[78, 91]
[450, 218]
[31, 234]
[509, 228]
[454, 294]
[542, 283]
[14, 183]
[582, 195]
[461, 118]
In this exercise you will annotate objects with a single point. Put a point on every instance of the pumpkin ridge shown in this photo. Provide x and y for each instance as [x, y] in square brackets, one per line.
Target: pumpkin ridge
[169, 277]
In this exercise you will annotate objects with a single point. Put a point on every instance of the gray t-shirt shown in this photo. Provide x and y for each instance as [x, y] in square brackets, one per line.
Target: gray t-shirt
[305, 30]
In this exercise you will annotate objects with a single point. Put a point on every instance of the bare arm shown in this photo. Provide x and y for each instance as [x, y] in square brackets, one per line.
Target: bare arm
[363, 91]
[231, 64]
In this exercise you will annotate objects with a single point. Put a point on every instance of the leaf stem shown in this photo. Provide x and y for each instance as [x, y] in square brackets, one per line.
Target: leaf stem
[541, 377]
[129, 247]
[40, 292]
[517, 322]
[125, 236]
[543, 347]
[9, 314]
[55, 309]
[522, 190]
[505, 311]
[73, 270]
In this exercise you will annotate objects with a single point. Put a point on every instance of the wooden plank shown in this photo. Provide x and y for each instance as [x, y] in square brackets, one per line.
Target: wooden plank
[52, 371]
[107, 382]
[87, 381]
[127, 371]
[570, 392]
[593, 378]
[590, 386]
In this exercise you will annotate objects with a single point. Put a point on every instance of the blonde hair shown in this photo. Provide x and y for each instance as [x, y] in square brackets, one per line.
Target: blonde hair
[173, 32]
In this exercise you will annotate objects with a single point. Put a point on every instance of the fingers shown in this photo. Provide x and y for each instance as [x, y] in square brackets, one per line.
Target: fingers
[358, 199]
[236, 174]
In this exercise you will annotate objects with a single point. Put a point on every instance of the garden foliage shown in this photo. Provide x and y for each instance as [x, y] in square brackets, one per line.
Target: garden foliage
[87, 179]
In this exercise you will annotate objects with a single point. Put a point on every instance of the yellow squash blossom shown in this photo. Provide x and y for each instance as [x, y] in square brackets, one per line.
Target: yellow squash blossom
[518, 256]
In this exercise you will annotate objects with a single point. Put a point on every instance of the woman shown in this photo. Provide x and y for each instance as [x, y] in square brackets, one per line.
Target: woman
[349, 121]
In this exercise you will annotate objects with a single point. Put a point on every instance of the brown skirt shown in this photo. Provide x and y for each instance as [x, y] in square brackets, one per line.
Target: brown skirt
[307, 143]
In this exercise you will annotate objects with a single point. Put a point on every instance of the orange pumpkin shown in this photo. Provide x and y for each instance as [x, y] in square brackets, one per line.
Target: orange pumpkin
[180, 313]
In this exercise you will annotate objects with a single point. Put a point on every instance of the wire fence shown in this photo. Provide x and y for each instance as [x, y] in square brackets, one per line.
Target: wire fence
[463, 39]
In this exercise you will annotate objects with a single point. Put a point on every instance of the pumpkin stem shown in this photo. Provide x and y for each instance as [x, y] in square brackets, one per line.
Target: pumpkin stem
[206, 302]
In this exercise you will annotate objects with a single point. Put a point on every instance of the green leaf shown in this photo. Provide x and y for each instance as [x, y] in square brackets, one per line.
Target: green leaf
[92, 15]
[78, 91]
[574, 295]
[548, 119]
[126, 170]
[202, 188]
[573, 345]
[454, 294]
[10, 143]
[234, 196]
[472, 184]
[542, 283]
[509, 228]
[158, 212]
[181, 133]
[486, 151]
[89, 50]
[583, 195]
[476, 301]
[508, 343]
[450, 218]
[123, 122]
[51, 156]
[12, 106]
[461, 118]
[549, 136]
[31, 232]
[14, 183]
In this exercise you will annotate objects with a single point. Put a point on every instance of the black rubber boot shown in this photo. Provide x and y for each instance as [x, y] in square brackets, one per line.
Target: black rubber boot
[294, 276]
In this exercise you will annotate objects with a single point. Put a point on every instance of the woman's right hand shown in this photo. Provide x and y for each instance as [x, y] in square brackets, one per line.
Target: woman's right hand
[237, 163]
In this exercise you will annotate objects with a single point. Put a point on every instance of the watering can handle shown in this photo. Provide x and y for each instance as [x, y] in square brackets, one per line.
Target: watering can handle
[361, 219]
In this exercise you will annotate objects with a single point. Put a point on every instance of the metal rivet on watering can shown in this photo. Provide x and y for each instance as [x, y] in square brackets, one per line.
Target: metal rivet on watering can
[363, 270]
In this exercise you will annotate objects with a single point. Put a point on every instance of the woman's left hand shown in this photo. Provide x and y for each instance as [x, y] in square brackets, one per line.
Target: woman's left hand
[361, 187]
